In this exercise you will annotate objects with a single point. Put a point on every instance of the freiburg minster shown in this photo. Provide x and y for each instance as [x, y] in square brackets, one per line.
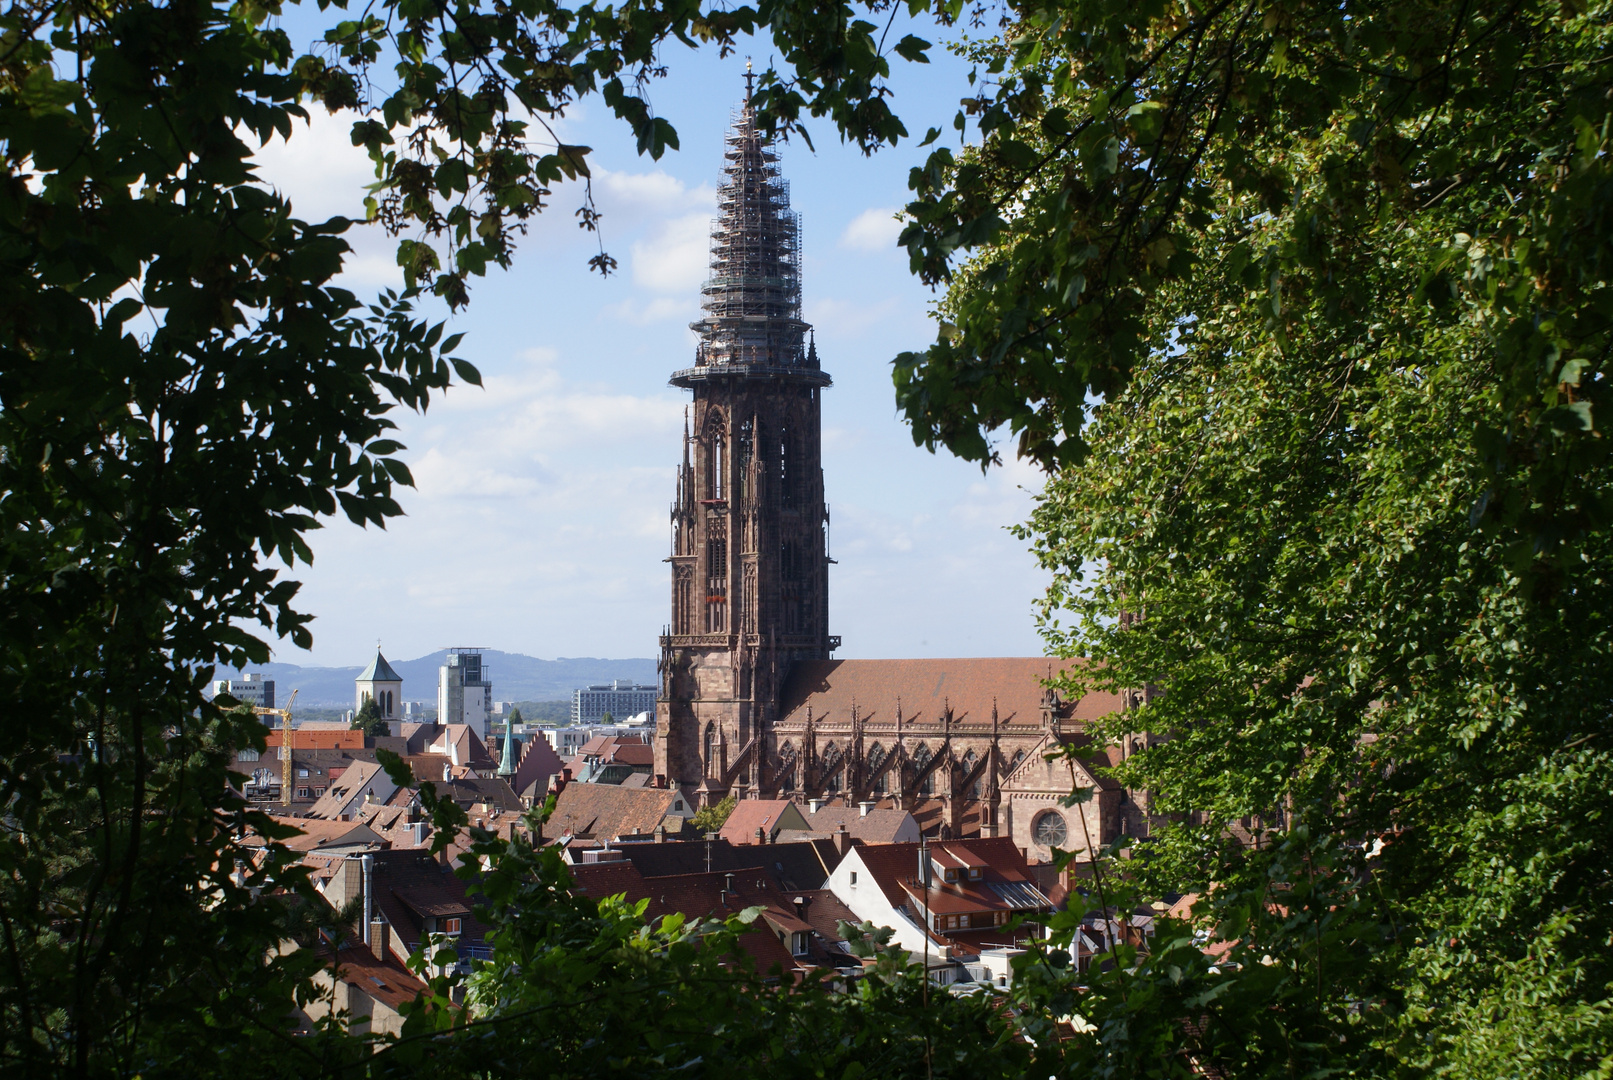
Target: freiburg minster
[752, 702]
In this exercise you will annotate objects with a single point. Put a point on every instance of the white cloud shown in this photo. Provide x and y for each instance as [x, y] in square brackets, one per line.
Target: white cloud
[318, 168]
[539, 494]
[873, 230]
[675, 256]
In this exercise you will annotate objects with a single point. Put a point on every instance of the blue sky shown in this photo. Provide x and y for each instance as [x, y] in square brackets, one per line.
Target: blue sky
[540, 517]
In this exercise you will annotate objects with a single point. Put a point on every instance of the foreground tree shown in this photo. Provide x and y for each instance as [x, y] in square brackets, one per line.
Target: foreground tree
[1308, 307]
[185, 392]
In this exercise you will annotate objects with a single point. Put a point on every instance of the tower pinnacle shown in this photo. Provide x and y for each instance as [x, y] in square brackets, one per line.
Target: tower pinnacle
[752, 300]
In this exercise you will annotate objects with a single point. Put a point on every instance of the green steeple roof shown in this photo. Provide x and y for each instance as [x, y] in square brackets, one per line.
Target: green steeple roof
[379, 671]
[506, 767]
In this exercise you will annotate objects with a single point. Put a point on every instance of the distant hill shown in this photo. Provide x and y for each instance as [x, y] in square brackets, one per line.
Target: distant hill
[515, 677]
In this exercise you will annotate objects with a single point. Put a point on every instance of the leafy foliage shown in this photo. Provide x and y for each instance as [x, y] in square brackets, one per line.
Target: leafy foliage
[1307, 307]
[185, 393]
[368, 718]
[584, 987]
[711, 818]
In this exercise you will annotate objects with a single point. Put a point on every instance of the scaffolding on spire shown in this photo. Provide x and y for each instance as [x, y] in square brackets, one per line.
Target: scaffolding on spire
[752, 300]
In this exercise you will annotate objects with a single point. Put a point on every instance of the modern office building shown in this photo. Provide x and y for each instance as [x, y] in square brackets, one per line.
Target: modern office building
[465, 690]
[621, 699]
[250, 689]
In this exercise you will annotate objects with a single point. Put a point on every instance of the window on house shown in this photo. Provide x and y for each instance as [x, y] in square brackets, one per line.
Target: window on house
[974, 873]
[854, 877]
[302, 774]
[305, 793]
[450, 926]
[798, 943]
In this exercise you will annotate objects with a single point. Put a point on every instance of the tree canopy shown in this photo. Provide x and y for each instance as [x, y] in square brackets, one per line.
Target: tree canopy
[1306, 308]
[186, 392]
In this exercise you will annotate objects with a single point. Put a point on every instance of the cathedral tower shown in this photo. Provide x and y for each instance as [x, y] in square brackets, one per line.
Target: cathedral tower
[749, 556]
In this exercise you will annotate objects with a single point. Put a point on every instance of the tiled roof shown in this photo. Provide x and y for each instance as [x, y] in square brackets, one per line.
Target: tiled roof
[804, 865]
[706, 895]
[387, 981]
[379, 671]
[893, 866]
[926, 687]
[410, 885]
[875, 827]
[608, 811]
[749, 815]
[317, 739]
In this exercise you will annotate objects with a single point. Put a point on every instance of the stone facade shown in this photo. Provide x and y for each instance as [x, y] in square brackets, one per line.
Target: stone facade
[750, 702]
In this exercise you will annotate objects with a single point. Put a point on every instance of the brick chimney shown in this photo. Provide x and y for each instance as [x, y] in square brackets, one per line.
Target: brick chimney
[842, 840]
[378, 938]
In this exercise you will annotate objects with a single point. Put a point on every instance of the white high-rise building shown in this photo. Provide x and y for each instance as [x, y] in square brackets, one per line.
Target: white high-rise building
[250, 689]
[465, 691]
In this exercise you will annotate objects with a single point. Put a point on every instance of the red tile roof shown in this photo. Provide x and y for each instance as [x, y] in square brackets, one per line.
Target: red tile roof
[749, 815]
[387, 981]
[925, 687]
[318, 739]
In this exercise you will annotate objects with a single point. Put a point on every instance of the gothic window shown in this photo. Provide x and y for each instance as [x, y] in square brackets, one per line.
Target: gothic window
[750, 600]
[714, 466]
[921, 758]
[876, 758]
[1017, 759]
[716, 582]
[1048, 829]
[683, 603]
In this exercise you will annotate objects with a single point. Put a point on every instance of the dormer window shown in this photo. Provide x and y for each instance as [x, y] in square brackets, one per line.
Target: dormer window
[450, 925]
[950, 876]
[798, 942]
[974, 873]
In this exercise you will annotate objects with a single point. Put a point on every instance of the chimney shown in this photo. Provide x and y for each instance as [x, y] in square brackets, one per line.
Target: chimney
[761, 835]
[368, 863]
[660, 834]
[800, 907]
[842, 840]
[863, 808]
[814, 805]
[376, 936]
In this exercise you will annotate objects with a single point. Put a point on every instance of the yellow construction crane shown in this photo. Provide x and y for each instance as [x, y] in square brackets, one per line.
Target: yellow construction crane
[285, 744]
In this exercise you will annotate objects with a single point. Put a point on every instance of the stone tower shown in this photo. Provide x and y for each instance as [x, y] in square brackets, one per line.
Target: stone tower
[749, 525]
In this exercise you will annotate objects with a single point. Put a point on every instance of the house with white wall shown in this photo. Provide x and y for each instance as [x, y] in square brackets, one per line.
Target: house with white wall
[954, 900]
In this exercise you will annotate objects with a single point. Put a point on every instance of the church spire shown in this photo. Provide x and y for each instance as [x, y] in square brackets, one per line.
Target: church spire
[752, 300]
[506, 765]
